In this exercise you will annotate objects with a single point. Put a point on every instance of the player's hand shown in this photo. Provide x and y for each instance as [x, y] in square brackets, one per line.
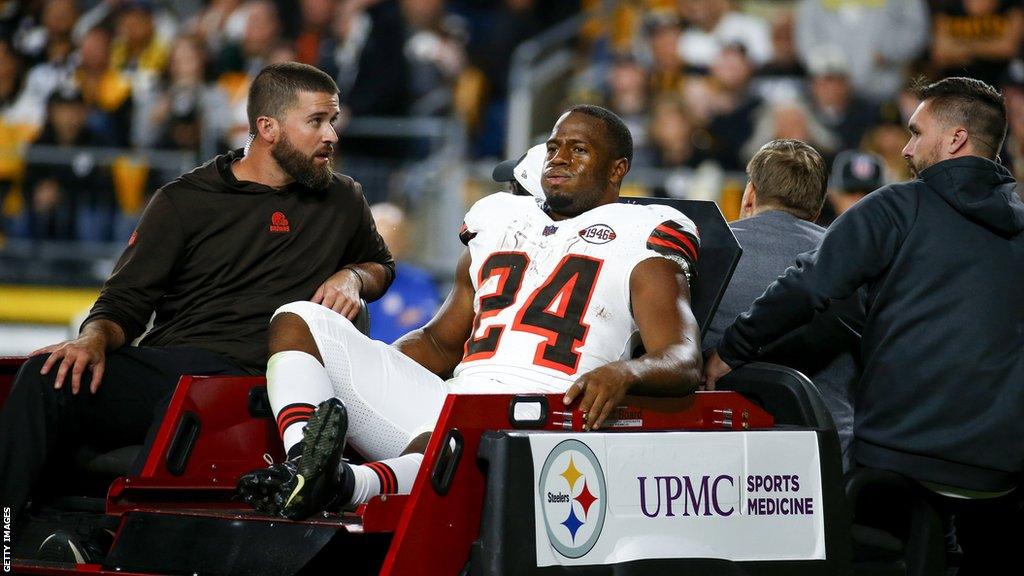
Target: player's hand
[340, 293]
[603, 389]
[714, 368]
[75, 356]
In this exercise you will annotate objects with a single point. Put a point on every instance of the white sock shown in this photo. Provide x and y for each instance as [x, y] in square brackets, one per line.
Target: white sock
[391, 476]
[296, 384]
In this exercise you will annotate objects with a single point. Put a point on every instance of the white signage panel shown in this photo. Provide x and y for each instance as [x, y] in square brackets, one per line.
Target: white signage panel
[604, 498]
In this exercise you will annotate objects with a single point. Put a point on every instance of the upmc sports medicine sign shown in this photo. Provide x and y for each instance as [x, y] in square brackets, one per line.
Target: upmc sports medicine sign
[610, 498]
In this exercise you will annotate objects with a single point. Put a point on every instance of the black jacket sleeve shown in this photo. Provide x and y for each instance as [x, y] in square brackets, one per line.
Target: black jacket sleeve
[857, 249]
[141, 274]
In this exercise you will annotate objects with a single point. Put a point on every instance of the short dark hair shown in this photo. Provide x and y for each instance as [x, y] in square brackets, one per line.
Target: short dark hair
[791, 175]
[970, 103]
[618, 133]
[275, 87]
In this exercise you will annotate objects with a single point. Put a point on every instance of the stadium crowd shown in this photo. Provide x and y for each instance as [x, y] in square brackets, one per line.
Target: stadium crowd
[701, 83]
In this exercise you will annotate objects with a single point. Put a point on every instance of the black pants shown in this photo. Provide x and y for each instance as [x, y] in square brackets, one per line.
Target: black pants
[39, 424]
[989, 531]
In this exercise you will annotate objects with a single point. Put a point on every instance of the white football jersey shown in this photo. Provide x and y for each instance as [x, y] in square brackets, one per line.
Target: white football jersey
[552, 298]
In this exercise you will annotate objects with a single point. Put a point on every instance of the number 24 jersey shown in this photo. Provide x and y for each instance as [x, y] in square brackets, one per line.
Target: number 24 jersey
[552, 297]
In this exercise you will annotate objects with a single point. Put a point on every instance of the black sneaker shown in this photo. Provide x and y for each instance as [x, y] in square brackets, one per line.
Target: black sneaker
[322, 473]
[66, 548]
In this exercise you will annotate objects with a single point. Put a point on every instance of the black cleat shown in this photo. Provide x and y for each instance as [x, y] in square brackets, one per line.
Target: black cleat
[262, 489]
[322, 473]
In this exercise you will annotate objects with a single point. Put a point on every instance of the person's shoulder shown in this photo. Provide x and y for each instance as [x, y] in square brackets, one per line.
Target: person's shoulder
[345, 183]
[897, 203]
[896, 193]
[201, 179]
[501, 204]
[645, 217]
[656, 226]
[505, 199]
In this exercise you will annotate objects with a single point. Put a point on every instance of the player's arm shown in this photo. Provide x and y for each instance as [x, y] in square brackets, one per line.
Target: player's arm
[660, 297]
[370, 271]
[126, 301]
[343, 289]
[438, 346]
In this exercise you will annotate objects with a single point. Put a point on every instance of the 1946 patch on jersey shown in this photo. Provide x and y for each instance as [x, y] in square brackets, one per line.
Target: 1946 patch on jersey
[598, 234]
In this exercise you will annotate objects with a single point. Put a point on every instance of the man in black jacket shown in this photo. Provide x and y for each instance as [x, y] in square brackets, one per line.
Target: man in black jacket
[215, 253]
[940, 399]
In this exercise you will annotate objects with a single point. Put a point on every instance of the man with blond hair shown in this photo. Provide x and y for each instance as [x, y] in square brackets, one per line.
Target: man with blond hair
[784, 194]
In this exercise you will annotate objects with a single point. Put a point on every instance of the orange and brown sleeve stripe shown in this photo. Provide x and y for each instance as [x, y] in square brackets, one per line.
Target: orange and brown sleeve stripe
[670, 238]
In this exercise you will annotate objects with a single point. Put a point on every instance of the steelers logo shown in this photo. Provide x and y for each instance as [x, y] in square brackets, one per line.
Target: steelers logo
[573, 498]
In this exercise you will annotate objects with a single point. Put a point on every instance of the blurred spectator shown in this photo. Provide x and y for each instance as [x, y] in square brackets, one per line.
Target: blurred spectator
[789, 120]
[1013, 94]
[138, 52]
[15, 107]
[241, 59]
[314, 44]
[627, 84]
[372, 75]
[50, 41]
[366, 40]
[188, 109]
[350, 28]
[137, 48]
[887, 138]
[16, 128]
[675, 140]
[712, 24]
[68, 201]
[50, 48]
[435, 48]
[211, 23]
[977, 38]
[732, 105]
[855, 174]
[833, 101]
[880, 37]
[262, 33]
[412, 298]
[785, 61]
[668, 69]
[11, 15]
[106, 90]
[514, 22]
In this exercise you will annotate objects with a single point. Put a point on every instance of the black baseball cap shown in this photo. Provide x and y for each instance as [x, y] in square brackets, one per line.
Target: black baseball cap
[857, 171]
[505, 171]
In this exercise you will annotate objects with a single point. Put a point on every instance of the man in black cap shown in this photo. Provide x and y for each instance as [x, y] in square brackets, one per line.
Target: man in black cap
[855, 174]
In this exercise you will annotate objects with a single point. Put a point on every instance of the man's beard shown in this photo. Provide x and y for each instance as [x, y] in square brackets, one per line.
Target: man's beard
[913, 169]
[301, 167]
